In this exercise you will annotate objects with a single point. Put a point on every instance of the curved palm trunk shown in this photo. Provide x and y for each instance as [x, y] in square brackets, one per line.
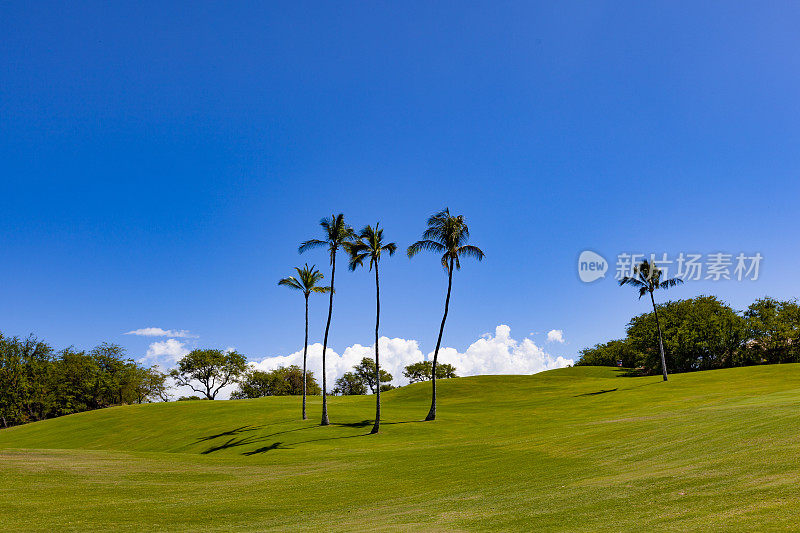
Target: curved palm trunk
[305, 353]
[432, 412]
[325, 420]
[377, 425]
[660, 342]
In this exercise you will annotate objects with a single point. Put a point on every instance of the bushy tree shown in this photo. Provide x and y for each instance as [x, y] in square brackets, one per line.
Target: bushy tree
[350, 384]
[773, 331]
[366, 371]
[423, 371]
[611, 353]
[283, 381]
[207, 371]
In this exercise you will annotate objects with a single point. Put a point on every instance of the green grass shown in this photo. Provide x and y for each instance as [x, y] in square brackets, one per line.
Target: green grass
[572, 449]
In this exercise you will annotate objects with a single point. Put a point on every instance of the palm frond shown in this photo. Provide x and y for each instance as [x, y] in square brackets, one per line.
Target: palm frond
[321, 290]
[311, 243]
[471, 251]
[642, 291]
[427, 245]
[636, 282]
[291, 282]
[670, 283]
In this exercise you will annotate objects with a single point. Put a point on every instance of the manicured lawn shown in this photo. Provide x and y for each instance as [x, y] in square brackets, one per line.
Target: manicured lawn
[572, 449]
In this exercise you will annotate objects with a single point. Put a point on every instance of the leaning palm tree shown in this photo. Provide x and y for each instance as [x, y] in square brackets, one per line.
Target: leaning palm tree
[446, 235]
[647, 278]
[337, 233]
[369, 245]
[306, 282]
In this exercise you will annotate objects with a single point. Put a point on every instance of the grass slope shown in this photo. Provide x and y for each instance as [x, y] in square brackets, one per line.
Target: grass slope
[577, 449]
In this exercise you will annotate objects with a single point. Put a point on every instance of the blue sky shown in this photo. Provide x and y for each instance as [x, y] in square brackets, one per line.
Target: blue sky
[160, 162]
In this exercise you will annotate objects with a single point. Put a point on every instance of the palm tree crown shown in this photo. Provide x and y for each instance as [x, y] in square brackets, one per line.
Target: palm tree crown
[369, 245]
[647, 278]
[447, 235]
[306, 280]
[337, 233]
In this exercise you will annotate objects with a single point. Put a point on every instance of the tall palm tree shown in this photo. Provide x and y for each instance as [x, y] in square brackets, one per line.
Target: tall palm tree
[306, 282]
[337, 233]
[446, 235]
[369, 245]
[647, 278]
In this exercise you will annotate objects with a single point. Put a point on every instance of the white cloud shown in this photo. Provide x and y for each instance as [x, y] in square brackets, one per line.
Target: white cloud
[168, 352]
[555, 335]
[159, 332]
[491, 354]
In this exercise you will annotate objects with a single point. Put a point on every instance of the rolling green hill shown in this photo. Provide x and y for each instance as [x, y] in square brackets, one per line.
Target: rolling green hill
[573, 449]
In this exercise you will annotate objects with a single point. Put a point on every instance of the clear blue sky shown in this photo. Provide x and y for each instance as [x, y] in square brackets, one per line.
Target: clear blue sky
[161, 161]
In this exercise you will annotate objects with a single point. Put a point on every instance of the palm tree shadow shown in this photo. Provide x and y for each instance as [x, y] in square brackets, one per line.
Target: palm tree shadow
[237, 441]
[594, 393]
[281, 446]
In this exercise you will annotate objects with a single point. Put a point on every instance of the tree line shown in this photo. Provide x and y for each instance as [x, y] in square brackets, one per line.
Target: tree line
[704, 333]
[36, 382]
[288, 380]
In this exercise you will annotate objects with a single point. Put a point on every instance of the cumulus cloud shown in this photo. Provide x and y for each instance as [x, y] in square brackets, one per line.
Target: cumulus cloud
[159, 332]
[555, 335]
[165, 352]
[491, 354]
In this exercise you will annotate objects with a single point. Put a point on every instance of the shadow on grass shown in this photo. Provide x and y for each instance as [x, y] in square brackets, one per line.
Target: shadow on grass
[594, 393]
[237, 440]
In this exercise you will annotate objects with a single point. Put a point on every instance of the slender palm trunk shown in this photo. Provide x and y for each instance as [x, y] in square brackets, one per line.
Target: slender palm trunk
[432, 412]
[305, 353]
[377, 425]
[660, 342]
[325, 420]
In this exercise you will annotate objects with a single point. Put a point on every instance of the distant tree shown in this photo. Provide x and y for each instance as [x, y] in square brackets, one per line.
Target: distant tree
[337, 233]
[773, 331]
[305, 282]
[447, 235]
[212, 369]
[648, 278]
[369, 246]
[26, 380]
[423, 371]
[611, 353]
[350, 384]
[283, 381]
[387, 387]
[152, 386]
[190, 398]
[367, 372]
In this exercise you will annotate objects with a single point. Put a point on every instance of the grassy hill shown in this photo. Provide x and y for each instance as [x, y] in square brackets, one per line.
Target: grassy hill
[577, 449]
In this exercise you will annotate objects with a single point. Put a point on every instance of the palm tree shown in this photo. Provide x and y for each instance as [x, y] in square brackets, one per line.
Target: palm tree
[647, 278]
[369, 245]
[337, 233]
[446, 235]
[306, 282]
